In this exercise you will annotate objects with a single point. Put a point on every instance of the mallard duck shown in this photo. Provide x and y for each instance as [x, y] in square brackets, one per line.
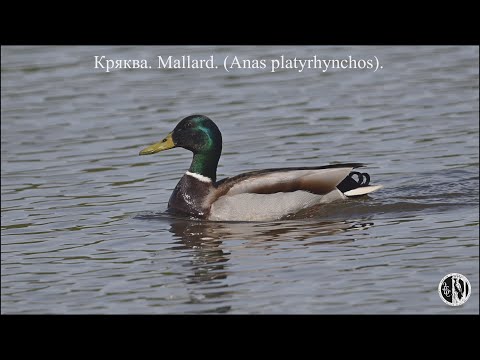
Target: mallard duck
[260, 195]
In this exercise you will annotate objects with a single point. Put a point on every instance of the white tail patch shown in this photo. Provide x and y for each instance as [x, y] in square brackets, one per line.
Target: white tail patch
[199, 177]
[362, 190]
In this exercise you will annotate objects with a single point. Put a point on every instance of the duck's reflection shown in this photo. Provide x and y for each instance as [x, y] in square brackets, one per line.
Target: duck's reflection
[208, 258]
[207, 239]
[209, 247]
[209, 235]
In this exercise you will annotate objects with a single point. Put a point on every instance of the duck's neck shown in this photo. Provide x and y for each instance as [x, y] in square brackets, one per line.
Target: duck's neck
[205, 164]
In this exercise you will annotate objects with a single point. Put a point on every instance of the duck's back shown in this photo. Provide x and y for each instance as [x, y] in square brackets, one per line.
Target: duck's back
[265, 195]
[274, 193]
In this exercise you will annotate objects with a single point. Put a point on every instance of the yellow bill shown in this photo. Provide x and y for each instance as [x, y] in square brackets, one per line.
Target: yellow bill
[165, 144]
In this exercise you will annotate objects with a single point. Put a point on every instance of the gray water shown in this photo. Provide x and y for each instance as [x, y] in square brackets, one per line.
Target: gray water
[83, 222]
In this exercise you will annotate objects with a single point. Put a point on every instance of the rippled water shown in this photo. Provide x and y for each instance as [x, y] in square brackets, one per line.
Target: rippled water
[83, 228]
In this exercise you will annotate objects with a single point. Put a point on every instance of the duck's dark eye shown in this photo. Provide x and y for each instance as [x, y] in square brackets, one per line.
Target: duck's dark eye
[164, 140]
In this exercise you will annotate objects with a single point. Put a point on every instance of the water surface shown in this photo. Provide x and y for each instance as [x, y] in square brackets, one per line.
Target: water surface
[83, 223]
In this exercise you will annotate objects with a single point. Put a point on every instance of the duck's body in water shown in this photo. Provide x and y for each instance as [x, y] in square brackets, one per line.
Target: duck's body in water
[254, 196]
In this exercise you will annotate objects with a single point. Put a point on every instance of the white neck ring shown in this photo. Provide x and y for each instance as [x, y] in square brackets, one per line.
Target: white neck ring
[202, 178]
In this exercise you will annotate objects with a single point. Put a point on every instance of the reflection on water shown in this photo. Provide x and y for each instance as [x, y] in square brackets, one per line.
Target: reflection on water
[207, 265]
[80, 227]
[195, 232]
[205, 238]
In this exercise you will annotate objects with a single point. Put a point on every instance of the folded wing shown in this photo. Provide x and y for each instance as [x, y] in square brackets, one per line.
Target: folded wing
[317, 180]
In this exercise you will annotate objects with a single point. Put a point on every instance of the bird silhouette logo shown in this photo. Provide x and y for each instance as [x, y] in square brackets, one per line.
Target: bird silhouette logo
[454, 289]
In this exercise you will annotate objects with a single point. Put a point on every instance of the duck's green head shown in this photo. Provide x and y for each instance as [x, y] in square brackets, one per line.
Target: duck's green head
[196, 133]
[201, 136]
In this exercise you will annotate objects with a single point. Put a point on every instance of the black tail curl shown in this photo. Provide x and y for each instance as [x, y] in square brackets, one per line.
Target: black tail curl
[349, 183]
